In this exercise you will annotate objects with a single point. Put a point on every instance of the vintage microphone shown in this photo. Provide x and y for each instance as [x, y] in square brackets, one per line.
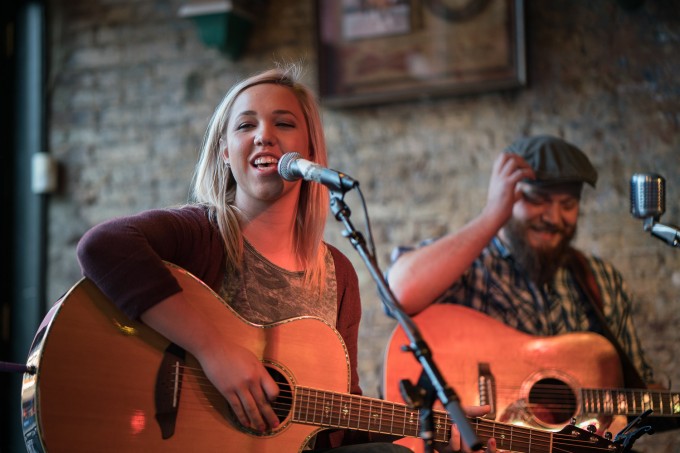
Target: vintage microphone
[648, 202]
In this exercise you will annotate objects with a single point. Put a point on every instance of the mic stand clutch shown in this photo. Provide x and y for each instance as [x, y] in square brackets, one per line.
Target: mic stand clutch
[431, 377]
[667, 233]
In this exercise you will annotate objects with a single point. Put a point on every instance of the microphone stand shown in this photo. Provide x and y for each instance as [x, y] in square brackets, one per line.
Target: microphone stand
[431, 379]
[667, 233]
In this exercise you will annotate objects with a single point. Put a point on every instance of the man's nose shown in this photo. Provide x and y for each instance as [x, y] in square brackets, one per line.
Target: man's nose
[552, 214]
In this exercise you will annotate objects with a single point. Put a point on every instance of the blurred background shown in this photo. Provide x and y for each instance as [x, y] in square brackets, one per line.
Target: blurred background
[104, 104]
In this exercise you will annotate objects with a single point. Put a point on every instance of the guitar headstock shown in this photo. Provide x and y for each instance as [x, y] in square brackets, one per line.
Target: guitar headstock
[576, 440]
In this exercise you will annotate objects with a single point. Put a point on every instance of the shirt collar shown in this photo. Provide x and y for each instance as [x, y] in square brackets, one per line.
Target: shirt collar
[502, 249]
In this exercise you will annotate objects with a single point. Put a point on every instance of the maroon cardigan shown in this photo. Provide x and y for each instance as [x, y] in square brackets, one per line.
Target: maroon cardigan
[124, 258]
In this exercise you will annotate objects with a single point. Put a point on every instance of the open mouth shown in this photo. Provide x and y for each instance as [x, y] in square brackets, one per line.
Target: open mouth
[265, 162]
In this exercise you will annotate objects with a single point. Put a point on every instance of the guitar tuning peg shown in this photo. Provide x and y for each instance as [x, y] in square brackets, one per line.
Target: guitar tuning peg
[592, 429]
[608, 435]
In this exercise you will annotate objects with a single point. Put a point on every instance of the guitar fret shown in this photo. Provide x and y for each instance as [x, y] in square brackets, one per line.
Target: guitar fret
[370, 414]
[608, 406]
[392, 420]
[623, 402]
[646, 401]
[296, 401]
[343, 410]
[312, 402]
[316, 410]
[441, 428]
[329, 404]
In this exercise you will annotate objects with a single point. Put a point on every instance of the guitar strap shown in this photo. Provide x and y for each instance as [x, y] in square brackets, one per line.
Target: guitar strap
[583, 274]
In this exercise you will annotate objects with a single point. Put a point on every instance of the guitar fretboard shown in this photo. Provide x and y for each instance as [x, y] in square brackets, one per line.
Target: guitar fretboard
[630, 402]
[341, 410]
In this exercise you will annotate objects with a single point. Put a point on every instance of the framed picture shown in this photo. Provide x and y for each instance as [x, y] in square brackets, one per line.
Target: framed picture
[379, 51]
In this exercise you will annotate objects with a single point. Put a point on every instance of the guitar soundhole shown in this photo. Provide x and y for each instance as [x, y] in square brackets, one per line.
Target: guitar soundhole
[552, 401]
[283, 403]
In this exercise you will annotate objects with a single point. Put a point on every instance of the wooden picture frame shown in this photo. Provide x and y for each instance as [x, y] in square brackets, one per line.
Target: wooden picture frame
[378, 51]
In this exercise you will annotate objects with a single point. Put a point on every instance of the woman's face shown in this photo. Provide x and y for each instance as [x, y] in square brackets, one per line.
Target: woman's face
[266, 122]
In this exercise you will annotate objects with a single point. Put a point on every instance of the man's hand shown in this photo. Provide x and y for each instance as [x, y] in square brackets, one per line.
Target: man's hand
[456, 445]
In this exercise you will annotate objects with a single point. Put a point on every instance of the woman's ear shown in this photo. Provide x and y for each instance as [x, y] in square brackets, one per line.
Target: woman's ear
[224, 152]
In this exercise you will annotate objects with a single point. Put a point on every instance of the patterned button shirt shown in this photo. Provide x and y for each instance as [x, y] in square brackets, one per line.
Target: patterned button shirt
[494, 285]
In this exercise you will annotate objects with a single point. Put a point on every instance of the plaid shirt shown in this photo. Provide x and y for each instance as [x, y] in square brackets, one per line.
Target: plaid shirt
[494, 285]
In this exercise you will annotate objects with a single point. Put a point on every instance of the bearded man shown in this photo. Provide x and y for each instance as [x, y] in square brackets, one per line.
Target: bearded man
[515, 262]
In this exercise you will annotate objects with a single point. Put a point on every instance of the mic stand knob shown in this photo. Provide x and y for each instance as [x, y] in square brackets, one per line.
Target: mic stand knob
[668, 233]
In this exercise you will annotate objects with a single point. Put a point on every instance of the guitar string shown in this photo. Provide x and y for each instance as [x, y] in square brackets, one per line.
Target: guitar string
[614, 401]
[493, 430]
[397, 414]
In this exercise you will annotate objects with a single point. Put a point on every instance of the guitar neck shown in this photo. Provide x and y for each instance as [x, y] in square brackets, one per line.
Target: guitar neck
[630, 402]
[340, 410]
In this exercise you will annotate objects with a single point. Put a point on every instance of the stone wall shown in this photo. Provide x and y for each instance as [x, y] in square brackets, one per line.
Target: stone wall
[132, 87]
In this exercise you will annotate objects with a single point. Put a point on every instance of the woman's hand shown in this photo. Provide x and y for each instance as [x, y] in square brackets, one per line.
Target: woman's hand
[234, 371]
[245, 383]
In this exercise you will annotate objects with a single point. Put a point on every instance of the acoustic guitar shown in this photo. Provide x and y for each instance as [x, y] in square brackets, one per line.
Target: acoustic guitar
[105, 383]
[530, 380]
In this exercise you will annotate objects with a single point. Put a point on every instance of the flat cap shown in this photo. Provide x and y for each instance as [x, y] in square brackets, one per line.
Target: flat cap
[554, 160]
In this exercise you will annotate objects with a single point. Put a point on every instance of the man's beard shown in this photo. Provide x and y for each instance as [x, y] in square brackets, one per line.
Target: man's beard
[540, 264]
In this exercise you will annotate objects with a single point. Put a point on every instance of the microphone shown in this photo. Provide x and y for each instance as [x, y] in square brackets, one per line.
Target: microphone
[648, 202]
[293, 167]
[647, 195]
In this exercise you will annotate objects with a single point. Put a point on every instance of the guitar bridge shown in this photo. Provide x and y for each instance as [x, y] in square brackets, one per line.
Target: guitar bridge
[168, 389]
[487, 389]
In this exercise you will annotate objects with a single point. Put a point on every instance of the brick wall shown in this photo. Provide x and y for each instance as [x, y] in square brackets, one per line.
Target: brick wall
[132, 87]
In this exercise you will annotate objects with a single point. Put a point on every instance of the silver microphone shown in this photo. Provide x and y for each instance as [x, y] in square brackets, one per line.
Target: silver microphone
[647, 195]
[648, 202]
[293, 167]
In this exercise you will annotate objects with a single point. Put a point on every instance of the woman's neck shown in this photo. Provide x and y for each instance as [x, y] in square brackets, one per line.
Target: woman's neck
[271, 232]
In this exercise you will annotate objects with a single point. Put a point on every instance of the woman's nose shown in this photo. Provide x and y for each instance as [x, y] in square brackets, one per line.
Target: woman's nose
[263, 137]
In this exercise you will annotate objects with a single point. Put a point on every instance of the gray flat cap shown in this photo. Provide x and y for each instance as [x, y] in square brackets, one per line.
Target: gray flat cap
[554, 160]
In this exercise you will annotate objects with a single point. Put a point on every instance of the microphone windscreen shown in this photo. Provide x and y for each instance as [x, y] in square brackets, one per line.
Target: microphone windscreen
[284, 169]
[647, 195]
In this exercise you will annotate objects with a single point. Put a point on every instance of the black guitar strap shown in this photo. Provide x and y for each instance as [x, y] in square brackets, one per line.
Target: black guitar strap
[585, 279]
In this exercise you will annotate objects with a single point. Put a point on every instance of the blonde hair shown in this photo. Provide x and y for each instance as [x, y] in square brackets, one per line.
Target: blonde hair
[213, 184]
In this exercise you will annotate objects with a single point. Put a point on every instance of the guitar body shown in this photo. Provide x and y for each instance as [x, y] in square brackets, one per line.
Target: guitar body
[525, 368]
[94, 389]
